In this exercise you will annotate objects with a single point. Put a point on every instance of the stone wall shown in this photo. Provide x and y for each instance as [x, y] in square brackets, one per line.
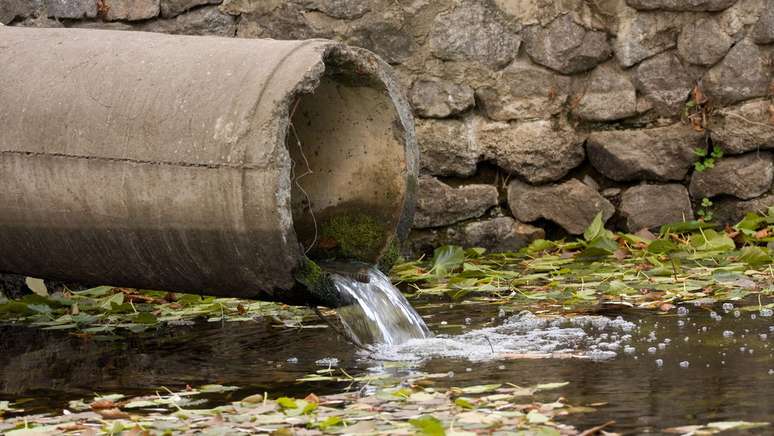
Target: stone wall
[534, 115]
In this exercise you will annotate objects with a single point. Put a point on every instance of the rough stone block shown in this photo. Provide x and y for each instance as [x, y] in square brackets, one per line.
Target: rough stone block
[703, 42]
[651, 206]
[439, 204]
[447, 147]
[201, 21]
[745, 177]
[498, 234]
[664, 82]
[439, 98]
[473, 32]
[743, 74]
[173, 8]
[572, 204]
[566, 46]
[540, 151]
[131, 10]
[524, 91]
[608, 95]
[745, 127]
[71, 9]
[661, 154]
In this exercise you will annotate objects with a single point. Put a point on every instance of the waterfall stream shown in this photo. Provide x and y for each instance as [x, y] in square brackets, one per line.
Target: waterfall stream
[379, 313]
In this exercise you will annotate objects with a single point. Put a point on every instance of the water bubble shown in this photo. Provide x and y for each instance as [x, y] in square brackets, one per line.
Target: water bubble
[682, 311]
[659, 363]
[327, 361]
[450, 374]
[737, 314]
[293, 360]
[704, 329]
[661, 346]
[728, 307]
[468, 320]
[667, 341]
[763, 336]
[468, 369]
[771, 372]
[629, 349]
[728, 333]
[652, 350]
[501, 367]
[766, 312]
[680, 323]
[684, 364]
[444, 323]
[752, 316]
[742, 349]
[501, 313]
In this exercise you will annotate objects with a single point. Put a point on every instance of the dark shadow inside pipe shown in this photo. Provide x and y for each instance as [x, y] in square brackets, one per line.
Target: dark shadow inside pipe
[349, 166]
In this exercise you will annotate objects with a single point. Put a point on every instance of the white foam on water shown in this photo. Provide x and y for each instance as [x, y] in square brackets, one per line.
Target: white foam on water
[521, 335]
[380, 313]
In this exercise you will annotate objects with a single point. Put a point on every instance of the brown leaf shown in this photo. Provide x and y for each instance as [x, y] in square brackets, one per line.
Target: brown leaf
[698, 95]
[646, 235]
[771, 113]
[764, 233]
[72, 426]
[102, 404]
[666, 307]
[312, 398]
[621, 254]
[114, 413]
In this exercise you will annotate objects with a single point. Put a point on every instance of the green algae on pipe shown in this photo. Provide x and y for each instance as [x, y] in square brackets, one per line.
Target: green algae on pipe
[198, 164]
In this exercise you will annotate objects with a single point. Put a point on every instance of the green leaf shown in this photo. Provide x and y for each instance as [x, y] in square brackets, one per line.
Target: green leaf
[145, 318]
[749, 223]
[754, 256]
[595, 229]
[287, 403]
[446, 259]
[540, 245]
[428, 426]
[685, 227]
[329, 422]
[662, 246]
[710, 240]
[463, 403]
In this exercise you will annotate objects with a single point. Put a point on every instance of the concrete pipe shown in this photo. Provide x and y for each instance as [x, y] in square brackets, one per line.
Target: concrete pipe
[208, 165]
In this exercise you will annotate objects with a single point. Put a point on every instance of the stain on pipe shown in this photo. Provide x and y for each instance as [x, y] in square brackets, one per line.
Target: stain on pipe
[208, 165]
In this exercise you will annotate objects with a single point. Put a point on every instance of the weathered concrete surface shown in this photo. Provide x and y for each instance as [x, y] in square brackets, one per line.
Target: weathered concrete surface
[178, 175]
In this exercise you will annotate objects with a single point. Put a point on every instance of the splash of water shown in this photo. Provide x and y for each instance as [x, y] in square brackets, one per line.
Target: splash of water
[379, 313]
[524, 335]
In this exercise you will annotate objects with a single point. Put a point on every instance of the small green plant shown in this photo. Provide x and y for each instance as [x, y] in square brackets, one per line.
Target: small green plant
[704, 212]
[707, 160]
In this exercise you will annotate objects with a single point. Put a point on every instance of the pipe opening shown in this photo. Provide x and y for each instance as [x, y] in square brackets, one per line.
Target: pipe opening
[349, 165]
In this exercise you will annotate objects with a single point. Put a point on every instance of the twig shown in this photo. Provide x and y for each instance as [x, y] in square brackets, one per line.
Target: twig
[596, 429]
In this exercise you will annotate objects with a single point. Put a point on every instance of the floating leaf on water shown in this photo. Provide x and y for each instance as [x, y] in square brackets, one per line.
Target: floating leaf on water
[535, 417]
[446, 259]
[38, 286]
[550, 386]
[287, 403]
[480, 389]
[428, 426]
[464, 403]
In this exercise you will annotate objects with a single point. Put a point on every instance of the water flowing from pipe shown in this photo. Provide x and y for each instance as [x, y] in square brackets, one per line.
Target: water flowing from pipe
[379, 313]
